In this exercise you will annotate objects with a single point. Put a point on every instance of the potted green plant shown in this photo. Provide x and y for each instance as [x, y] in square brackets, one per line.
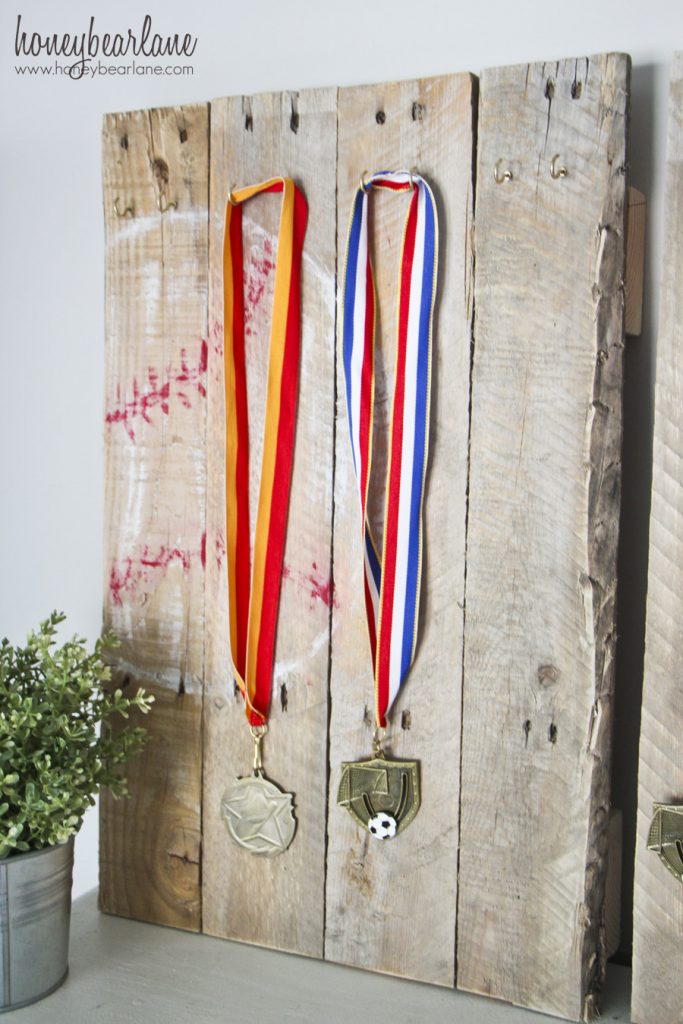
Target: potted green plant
[57, 750]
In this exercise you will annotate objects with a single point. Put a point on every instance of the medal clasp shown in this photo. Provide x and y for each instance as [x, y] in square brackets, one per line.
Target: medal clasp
[257, 733]
[377, 742]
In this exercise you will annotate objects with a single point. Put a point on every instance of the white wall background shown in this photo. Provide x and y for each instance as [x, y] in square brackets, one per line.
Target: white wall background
[51, 252]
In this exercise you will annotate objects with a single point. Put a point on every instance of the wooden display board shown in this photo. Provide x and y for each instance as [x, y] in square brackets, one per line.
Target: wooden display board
[497, 884]
[658, 895]
[155, 497]
[545, 470]
[274, 901]
[411, 883]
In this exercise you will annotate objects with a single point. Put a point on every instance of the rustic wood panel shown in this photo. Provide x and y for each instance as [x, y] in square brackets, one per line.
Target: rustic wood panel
[658, 896]
[155, 425]
[542, 535]
[274, 902]
[391, 906]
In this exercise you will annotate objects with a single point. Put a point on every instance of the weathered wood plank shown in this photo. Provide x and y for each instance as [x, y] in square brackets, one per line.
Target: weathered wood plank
[156, 360]
[274, 902]
[391, 906]
[542, 535]
[658, 896]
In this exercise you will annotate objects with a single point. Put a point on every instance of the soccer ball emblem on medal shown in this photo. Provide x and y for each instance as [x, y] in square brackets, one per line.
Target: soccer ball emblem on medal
[382, 826]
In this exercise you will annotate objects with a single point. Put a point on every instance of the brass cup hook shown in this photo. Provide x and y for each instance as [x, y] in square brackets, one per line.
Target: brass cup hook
[555, 171]
[499, 177]
[163, 204]
[127, 212]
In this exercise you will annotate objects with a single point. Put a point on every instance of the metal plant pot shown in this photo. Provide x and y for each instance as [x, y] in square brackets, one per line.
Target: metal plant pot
[35, 909]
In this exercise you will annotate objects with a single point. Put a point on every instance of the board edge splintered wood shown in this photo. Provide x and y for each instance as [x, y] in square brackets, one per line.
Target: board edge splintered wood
[391, 906]
[544, 492]
[155, 178]
[274, 901]
[657, 996]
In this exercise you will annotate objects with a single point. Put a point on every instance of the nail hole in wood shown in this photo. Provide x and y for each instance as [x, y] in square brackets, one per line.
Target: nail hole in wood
[183, 134]
[248, 123]
[552, 733]
[237, 691]
[181, 687]
[124, 142]
[294, 122]
[367, 717]
[380, 117]
[283, 696]
[550, 89]
[418, 111]
[160, 168]
[527, 729]
[406, 720]
[576, 90]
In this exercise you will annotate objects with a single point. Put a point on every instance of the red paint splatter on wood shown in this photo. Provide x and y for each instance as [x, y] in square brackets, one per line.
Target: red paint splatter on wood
[256, 274]
[163, 558]
[321, 588]
[145, 569]
[216, 336]
[120, 580]
[314, 583]
[220, 549]
[157, 391]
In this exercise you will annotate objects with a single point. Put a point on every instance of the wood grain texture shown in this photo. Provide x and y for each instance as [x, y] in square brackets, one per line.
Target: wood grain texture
[658, 896]
[542, 536]
[155, 422]
[274, 902]
[391, 906]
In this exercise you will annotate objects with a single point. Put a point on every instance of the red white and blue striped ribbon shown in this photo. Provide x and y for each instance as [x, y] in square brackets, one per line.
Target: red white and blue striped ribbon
[392, 582]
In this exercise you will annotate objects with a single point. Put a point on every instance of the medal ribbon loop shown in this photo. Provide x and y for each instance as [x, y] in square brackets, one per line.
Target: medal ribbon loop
[254, 589]
[392, 581]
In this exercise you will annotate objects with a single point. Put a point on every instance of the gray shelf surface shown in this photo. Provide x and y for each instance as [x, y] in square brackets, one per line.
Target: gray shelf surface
[126, 971]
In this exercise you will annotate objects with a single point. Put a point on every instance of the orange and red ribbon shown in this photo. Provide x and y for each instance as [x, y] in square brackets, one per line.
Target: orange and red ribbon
[254, 584]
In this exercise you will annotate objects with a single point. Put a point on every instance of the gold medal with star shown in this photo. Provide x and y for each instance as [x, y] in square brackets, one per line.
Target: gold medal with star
[258, 815]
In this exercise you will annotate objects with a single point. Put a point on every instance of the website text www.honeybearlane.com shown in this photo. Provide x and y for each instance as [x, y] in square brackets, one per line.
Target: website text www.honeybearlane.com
[95, 70]
[85, 46]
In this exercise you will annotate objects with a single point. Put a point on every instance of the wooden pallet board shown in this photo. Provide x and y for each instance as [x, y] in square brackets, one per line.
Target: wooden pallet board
[274, 901]
[658, 896]
[508, 704]
[155, 440]
[542, 532]
[391, 906]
